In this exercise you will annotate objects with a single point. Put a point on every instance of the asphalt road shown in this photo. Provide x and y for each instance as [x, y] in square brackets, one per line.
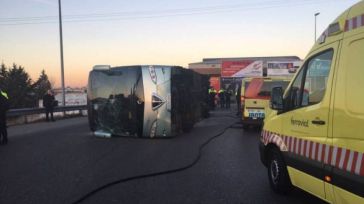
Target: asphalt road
[60, 162]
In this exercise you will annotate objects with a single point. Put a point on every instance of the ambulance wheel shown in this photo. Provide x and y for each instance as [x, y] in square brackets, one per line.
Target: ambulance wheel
[277, 173]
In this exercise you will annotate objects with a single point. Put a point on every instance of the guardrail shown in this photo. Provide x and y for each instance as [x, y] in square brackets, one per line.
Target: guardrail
[32, 111]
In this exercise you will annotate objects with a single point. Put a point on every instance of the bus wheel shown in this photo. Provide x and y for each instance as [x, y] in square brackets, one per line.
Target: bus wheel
[277, 173]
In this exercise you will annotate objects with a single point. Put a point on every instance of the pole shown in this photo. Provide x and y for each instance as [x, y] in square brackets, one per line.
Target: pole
[314, 40]
[61, 50]
[316, 14]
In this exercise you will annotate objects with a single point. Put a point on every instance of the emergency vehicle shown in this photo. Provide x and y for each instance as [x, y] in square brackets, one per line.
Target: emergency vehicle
[244, 84]
[314, 137]
[255, 101]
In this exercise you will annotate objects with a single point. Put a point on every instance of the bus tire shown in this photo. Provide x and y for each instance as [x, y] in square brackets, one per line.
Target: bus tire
[277, 173]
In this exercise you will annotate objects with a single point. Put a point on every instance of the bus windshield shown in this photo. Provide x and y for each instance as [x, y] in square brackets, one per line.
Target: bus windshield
[117, 97]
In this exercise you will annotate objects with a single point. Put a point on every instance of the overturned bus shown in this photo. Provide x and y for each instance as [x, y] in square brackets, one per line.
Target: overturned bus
[145, 101]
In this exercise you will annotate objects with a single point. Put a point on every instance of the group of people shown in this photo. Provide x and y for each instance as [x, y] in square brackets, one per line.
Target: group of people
[49, 103]
[224, 97]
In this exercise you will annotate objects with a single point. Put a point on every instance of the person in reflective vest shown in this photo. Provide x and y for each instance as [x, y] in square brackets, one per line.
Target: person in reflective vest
[212, 94]
[4, 94]
[4, 106]
[222, 98]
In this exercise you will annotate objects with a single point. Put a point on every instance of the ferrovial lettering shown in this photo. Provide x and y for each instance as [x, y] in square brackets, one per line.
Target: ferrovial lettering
[303, 123]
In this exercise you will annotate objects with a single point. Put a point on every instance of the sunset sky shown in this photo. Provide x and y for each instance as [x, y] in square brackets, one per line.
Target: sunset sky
[167, 32]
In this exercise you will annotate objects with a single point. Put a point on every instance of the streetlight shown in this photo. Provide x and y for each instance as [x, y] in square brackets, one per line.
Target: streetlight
[316, 14]
[61, 47]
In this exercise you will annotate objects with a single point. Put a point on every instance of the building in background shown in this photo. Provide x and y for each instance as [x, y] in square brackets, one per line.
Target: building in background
[227, 72]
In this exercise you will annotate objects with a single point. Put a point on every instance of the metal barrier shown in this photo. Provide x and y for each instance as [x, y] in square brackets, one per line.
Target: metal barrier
[32, 111]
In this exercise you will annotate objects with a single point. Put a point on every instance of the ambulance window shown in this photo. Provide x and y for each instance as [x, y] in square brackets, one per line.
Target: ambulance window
[318, 69]
[294, 97]
[309, 86]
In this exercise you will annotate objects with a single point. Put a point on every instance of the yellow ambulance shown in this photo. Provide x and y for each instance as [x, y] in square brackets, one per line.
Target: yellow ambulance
[256, 96]
[244, 84]
[314, 137]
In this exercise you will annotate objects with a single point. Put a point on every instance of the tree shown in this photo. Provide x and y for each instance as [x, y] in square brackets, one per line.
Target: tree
[3, 76]
[42, 85]
[19, 88]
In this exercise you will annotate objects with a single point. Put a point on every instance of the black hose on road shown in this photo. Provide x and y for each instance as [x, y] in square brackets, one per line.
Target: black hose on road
[194, 162]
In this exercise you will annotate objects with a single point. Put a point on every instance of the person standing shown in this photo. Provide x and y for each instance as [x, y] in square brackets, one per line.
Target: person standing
[4, 106]
[227, 98]
[48, 104]
[212, 94]
[222, 97]
[238, 99]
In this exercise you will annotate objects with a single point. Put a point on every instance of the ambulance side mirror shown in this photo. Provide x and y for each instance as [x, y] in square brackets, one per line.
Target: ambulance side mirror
[276, 101]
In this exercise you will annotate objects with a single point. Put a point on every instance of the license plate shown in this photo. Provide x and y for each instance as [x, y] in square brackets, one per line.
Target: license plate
[256, 114]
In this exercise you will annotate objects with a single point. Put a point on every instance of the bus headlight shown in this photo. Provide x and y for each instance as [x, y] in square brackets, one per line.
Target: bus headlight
[153, 129]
